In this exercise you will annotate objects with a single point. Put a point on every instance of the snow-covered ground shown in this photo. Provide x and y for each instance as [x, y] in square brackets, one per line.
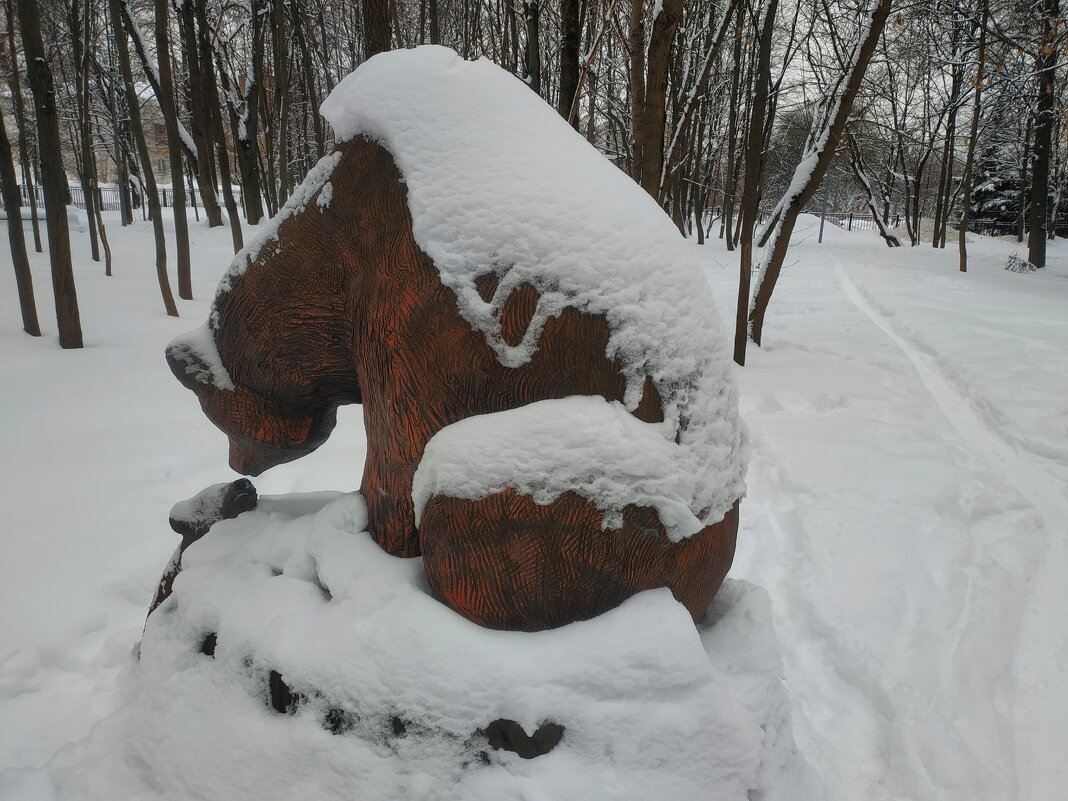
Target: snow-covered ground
[908, 494]
[908, 499]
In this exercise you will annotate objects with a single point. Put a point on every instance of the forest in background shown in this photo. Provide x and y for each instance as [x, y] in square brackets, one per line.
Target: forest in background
[736, 115]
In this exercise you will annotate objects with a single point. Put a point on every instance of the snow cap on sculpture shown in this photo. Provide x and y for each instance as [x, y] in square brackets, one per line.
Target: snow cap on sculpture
[525, 329]
[496, 180]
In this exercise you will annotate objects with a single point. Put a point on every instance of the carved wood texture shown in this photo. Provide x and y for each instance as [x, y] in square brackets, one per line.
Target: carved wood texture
[344, 307]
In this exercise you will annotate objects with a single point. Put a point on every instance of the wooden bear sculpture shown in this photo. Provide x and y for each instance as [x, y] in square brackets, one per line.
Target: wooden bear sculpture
[341, 302]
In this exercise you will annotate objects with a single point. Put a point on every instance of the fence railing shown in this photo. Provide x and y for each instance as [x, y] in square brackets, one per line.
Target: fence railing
[860, 222]
[1004, 227]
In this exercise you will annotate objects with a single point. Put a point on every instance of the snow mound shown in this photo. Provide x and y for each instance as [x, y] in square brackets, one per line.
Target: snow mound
[585, 444]
[498, 182]
[386, 689]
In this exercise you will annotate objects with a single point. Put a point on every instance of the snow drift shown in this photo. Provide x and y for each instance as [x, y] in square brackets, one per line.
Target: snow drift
[651, 707]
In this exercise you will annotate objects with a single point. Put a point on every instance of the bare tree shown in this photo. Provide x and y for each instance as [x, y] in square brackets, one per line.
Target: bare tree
[376, 22]
[151, 193]
[20, 122]
[201, 99]
[860, 172]
[570, 37]
[174, 138]
[754, 168]
[16, 240]
[829, 124]
[54, 179]
[651, 117]
[973, 135]
[1046, 52]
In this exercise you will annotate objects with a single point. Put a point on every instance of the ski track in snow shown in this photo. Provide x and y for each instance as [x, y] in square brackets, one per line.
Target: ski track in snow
[1041, 661]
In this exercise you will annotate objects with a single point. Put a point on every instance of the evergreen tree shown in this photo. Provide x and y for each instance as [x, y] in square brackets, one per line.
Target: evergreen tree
[995, 200]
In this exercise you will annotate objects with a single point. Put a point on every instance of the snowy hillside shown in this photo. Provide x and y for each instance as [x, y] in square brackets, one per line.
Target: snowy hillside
[908, 492]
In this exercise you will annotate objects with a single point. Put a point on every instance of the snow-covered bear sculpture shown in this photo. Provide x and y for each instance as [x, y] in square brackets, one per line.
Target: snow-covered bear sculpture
[551, 417]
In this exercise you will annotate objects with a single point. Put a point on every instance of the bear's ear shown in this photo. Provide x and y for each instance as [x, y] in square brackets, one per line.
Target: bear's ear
[195, 362]
[186, 366]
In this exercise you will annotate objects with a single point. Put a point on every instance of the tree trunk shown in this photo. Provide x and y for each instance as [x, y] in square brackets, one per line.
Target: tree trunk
[652, 116]
[820, 151]
[532, 14]
[973, 135]
[312, 96]
[945, 173]
[54, 179]
[730, 180]
[754, 167]
[1021, 220]
[570, 38]
[636, 45]
[281, 96]
[244, 126]
[21, 262]
[100, 221]
[201, 101]
[170, 116]
[85, 135]
[20, 123]
[118, 154]
[227, 181]
[856, 163]
[1046, 67]
[151, 72]
[377, 28]
[150, 195]
[218, 133]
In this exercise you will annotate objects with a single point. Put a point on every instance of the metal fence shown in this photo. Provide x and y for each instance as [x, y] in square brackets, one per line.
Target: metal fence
[1005, 227]
[860, 222]
[980, 225]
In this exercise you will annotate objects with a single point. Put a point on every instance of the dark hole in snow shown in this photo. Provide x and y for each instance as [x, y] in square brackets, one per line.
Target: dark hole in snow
[507, 735]
[338, 721]
[517, 313]
[399, 726]
[279, 696]
[327, 595]
[207, 645]
[486, 284]
[275, 571]
[651, 407]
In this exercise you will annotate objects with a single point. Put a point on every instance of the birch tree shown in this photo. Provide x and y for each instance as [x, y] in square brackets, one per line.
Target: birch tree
[829, 122]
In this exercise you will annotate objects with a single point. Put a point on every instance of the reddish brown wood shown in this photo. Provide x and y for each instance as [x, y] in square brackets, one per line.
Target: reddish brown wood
[345, 308]
[508, 563]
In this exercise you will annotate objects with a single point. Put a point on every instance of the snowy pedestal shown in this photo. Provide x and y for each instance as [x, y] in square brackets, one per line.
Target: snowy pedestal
[296, 659]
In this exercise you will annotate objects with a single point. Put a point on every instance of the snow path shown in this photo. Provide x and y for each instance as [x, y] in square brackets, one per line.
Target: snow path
[1042, 659]
[910, 548]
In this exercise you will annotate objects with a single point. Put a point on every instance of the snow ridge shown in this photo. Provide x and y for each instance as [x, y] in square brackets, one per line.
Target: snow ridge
[584, 444]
